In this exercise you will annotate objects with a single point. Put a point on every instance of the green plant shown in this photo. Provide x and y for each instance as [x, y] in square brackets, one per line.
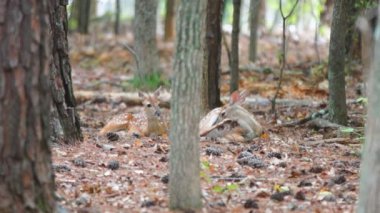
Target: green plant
[229, 187]
[149, 82]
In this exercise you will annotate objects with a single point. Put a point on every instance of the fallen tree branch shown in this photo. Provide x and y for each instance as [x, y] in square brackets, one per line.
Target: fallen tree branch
[314, 115]
[344, 141]
[128, 98]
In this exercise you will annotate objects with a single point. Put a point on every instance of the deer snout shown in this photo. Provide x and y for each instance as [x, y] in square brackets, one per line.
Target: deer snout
[157, 113]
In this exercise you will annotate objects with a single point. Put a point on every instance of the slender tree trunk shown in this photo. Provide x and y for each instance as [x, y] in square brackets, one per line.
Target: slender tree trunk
[211, 62]
[254, 15]
[351, 44]
[234, 83]
[84, 12]
[184, 184]
[117, 17]
[26, 177]
[370, 166]
[337, 92]
[169, 20]
[60, 75]
[145, 37]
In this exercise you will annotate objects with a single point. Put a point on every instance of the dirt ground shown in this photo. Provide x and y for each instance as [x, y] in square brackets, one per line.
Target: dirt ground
[302, 168]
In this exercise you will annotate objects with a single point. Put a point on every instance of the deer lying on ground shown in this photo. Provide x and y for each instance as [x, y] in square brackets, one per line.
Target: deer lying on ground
[149, 123]
[232, 122]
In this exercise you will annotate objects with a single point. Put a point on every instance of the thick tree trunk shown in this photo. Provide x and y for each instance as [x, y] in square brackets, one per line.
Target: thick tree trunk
[169, 20]
[117, 17]
[211, 62]
[184, 184]
[145, 37]
[370, 166]
[26, 177]
[254, 11]
[83, 13]
[60, 75]
[337, 92]
[234, 82]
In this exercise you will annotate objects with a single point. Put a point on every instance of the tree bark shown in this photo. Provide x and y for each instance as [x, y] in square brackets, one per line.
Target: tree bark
[26, 177]
[60, 75]
[234, 81]
[184, 184]
[351, 44]
[211, 62]
[253, 26]
[370, 166]
[117, 17]
[169, 20]
[145, 37]
[337, 92]
[84, 12]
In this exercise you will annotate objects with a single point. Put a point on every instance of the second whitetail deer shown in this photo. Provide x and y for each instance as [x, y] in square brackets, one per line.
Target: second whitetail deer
[149, 123]
[232, 121]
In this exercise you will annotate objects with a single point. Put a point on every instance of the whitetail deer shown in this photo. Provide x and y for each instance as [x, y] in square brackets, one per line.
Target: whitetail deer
[231, 121]
[149, 123]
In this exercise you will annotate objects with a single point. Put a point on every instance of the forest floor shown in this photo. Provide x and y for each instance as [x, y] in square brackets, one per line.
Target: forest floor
[302, 168]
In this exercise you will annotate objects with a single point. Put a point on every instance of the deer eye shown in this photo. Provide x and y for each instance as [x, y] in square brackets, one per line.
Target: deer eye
[149, 105]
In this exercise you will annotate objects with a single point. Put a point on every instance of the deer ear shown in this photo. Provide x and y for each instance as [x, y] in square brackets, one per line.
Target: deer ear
[238, 98]
[157, 92]
[141, 95]
[234, 97]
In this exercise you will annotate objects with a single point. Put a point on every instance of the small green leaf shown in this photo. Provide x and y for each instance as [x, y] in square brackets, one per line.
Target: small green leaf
[205, 176]
[347, 129]
[232, 186]
[218, 189]
[205, 165]
[362, 100]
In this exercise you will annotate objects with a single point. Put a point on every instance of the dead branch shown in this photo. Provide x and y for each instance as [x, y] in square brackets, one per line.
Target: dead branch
[302, 121]
[283, 54]
[225, 43]
[128, 98]
[344, 141]
[127, 47]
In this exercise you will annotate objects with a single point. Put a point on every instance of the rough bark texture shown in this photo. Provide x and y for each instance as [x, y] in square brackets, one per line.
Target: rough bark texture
[234, 82]
[117, 17]
[83, 18]
[337, 92]
[60, 74]
[169, 20]
[370, 166]
[253, 26]
[211, 63]
[26, 178]
[184, 185]
[145, 37]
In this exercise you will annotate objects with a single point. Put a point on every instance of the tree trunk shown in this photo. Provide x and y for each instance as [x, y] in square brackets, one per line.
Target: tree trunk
[369, 175]
[169, 20]
[351, 44]
[211, 62]
[26, 176]
[60, 75]
[337, 92]
[117, 17]
[184, 184]
[234, 82]
[254, 11]
[145, 37]
[83, 13]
